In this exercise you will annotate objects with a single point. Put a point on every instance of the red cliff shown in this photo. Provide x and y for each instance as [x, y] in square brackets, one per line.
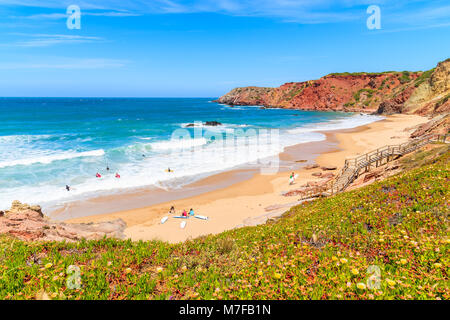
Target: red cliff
[387, 92]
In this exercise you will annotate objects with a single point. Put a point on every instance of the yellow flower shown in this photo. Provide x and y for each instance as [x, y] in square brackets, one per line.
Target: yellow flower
[128, 270]
[48, 265]
[390, 282]
[184, 268]
[361, 286]
[343, 260]
[355, 271]
[437, 265]
[260, 273]
[277, 275]
[334, 258]
[159, 269]
[403, 261]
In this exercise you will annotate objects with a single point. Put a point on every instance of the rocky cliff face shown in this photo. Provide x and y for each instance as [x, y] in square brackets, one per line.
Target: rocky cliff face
[28, 223]
[425, 93]
[432, 96]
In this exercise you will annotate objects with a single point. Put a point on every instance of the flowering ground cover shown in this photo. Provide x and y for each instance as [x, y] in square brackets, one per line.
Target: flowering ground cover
[388, 240]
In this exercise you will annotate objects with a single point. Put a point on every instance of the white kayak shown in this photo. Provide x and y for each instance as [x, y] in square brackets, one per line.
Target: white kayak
[163, 220]
[201, 217]
[183, 224]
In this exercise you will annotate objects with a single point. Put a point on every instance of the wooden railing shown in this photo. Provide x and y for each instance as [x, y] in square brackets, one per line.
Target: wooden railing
[354, 167]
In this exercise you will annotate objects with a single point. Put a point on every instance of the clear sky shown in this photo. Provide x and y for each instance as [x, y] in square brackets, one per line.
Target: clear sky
[204, 48]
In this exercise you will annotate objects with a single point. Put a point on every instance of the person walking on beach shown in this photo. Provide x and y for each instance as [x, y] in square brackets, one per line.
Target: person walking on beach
[292, 178]
[172, 210]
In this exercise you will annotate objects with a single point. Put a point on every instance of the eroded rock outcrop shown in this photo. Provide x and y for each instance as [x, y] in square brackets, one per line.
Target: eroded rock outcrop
[438, 125]
[29, 223]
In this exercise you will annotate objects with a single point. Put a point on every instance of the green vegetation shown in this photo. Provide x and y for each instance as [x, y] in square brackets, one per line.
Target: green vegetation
[404, 78]
[331, 248]
[423, 77]
[442, 101]
[357, 95]
[360, 73]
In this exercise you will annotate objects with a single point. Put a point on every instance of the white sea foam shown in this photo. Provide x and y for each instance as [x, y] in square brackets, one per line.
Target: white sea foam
[50, 158]
[177, 144]
[339, 124]
[22, 138]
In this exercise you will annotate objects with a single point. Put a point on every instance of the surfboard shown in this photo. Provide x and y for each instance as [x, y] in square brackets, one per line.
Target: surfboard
[201, 217]
[164, 219]
[183, 224]
[181, 217]
[296, 176]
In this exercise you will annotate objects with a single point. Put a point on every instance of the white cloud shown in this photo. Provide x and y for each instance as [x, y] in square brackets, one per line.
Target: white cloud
[45, 40]
[66, 63]
[301, 11]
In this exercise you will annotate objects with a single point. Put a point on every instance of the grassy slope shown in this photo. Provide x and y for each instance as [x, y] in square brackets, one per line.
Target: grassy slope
[317, 250]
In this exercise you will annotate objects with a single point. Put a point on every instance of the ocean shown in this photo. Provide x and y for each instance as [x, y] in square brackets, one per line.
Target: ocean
[48, 143]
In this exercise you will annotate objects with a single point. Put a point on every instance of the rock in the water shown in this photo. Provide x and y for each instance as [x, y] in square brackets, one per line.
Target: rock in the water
[329, 168]
[317, 174]
[311, 166]
[212, 123]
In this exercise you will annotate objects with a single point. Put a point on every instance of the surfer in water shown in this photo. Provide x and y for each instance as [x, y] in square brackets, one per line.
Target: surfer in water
[98, 175]
[107, 168]
[117, 175]
[67, 187]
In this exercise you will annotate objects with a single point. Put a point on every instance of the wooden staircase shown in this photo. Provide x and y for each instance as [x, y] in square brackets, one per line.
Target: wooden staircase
[354, 167]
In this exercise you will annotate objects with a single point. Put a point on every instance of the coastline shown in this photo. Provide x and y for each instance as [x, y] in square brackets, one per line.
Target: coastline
[256, 198]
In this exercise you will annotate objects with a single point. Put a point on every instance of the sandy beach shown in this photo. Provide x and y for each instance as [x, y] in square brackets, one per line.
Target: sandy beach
[256, 199]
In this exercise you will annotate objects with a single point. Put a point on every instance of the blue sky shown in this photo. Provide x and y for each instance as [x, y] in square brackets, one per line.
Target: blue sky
[204, 48]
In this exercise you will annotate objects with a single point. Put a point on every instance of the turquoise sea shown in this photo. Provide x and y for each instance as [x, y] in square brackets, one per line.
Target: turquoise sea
[48, 143]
